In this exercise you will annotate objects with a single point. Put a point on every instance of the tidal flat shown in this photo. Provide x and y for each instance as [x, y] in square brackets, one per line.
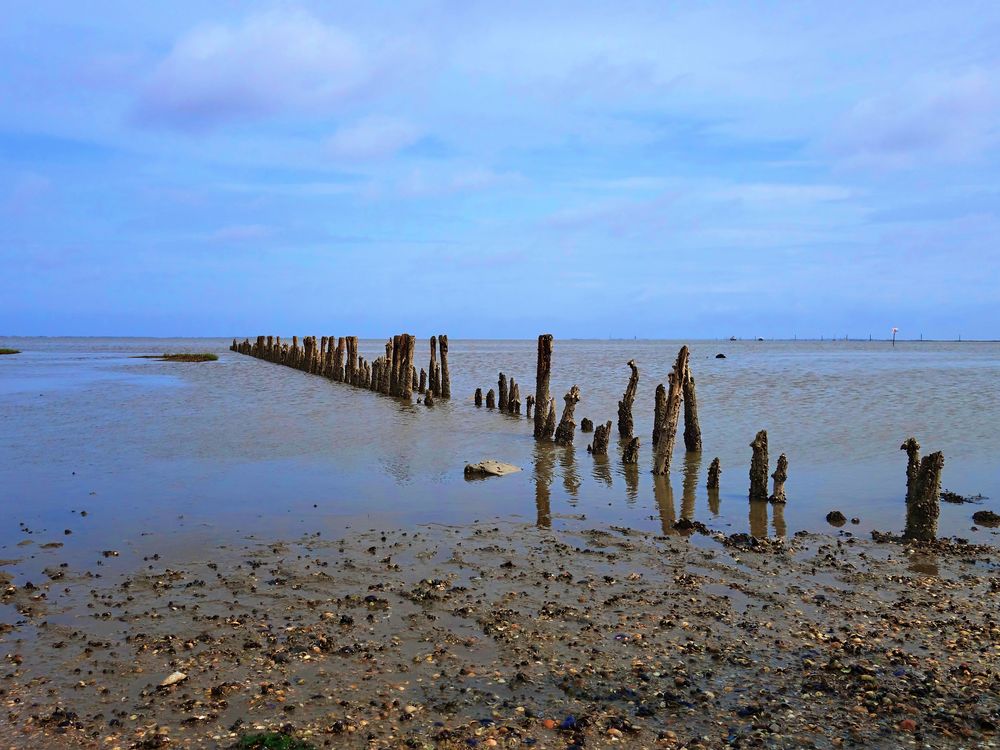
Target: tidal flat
[507, 635]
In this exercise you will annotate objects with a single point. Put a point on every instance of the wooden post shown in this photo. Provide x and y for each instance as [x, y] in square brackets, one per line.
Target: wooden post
[625, 427]
[429, 398]
[567, 427]
[389, 375]
[586, 425]
[658, 412]
[351, 373]
[422, 386]
[780, 476]
[758, 467]
[714, 470]
[923, 509]
[671, 415]
[491, 399]
[479, 396]
[338, 361]
[514, 398]
[445, 375]
[550, 419]
[692, 430]
[529, 403]
[432, 367]
[602, 434]
[407, 345]
[912, 448]
[542, 373]
[631, 454]
[414, 380]
[502, 390]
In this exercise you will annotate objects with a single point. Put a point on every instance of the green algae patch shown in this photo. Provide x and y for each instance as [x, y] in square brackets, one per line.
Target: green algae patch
[10, 351]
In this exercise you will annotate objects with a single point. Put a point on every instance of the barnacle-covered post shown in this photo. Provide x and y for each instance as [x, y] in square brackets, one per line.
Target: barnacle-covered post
[692, 430]
[625, 427]
[567, 427]
[543, 371]
[671, 415]
[445, 375]
[780, 476]
[758, 467]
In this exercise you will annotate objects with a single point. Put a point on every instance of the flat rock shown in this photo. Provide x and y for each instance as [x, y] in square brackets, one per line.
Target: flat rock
[490, 468]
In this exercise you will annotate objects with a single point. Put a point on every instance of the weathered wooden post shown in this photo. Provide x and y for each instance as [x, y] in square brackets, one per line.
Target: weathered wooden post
[630, 455]
[567, 427]
[586, 425]
[390, 367]
[550, 420]
[479, 396]
[429, 398]
[234, 346]
[491, 399]
[338, 360]
[542, 373]
[529, 402]
[780, 476]
[602, 434]
[414, 380]
[407, 373]
[923, 509]
[422, 386]
[671, 415]
[758, 467]
[714, 470]
[351, 374]
[625, 427]
[445, 375]
[432, 367]
[658, 412]
[321, 365]
[502, 390]
[514, 398]
[692, 430]
[912, 448]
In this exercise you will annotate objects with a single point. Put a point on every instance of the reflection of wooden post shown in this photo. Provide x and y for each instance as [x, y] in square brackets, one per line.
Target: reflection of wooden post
[542, 373]
[602, 434]
[668, 430]
[924, 505]
[780, 476]
[502, 391]
[692, 430]
[567, 427]
[491, 399]
[659, 410]
[631, 454]
[758, 467]
[625, 405]
[479, 396]
[714, 470]
[445, 376]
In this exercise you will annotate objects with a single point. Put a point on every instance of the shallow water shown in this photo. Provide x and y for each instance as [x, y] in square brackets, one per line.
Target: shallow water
[209, 452]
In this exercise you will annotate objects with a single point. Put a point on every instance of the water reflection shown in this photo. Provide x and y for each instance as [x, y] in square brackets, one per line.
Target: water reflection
[544, 463]
[663, 492]
[692, 465]
[758, 518]
[571, 480]
[714, 501]
[631, 472]
[778, 520]
[602, 469]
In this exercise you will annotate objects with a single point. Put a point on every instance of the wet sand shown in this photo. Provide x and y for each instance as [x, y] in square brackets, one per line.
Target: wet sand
[508, 635]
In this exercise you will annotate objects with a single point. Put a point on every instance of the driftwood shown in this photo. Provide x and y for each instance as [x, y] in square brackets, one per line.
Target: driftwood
[630, 456]
[625, 427]
[758, 467]
[567, 427]
[671, 415]
[658, 412]
[692, 430]
[714, 470]
[445, 376]
[586, 425]
[602, 434]
[491, 399]
[479, 396]
[542, 373]
[780, 476]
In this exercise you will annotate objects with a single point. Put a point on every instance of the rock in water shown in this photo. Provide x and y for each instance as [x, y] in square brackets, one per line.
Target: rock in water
[490, 468]
[986, 518]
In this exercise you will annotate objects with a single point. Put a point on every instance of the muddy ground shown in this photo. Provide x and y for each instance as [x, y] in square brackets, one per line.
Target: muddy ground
[510, 636]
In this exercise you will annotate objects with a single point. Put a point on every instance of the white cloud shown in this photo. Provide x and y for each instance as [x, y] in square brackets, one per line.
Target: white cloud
[373, 137]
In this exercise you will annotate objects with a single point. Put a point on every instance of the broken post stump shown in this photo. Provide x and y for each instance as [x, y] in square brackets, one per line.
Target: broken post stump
[602, 435]
[630, 456]
[550, 420]
[432, 367]
[692, 430]
[671, 415]
[912, 448]
[586, 425]
[714, 470]
[529, 403]
[502, 391]
[924, 507]
[780, 476]
[567, 427]
[479, 396]
[658, 411]
[758, 467]
[543, 371]
[429, 398]
[625, 426]
[514, 398]
[445, 376]
[491, 399]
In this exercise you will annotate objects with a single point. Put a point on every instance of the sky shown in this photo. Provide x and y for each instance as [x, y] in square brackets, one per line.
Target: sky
[496, 170]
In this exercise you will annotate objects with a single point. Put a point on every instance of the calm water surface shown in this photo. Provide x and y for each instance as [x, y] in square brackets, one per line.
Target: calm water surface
[207, 453]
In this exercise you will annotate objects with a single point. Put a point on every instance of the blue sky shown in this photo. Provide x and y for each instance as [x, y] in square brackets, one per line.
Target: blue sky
[495, 170]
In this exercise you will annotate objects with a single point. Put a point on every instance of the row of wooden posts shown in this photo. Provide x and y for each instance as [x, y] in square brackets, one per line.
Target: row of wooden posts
[393, 374]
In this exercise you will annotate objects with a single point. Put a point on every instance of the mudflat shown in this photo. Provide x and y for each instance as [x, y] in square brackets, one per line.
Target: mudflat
[508, 635]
